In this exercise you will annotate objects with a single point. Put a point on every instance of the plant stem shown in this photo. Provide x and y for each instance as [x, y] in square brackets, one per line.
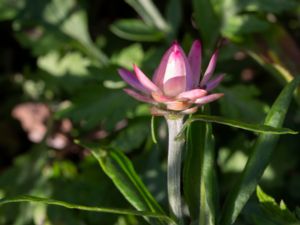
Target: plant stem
[174, 166]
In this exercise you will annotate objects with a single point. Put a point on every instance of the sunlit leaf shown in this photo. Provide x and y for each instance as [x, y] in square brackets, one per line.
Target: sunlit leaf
[238, 124]
[278, 213]
[136, 30]
[33, 199]
[119, 168]
[149, 12]
[259, 158]
[199, 178]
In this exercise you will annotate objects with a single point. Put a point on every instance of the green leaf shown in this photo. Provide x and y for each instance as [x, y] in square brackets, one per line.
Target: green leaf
[272, 6]
[278, 213]
[237, 26]
[150, 14]
[33, 199]
[199, 178]
[237, 124]
[241, 103]
[93, 105]
[9, 9]
[259, 158]
[207, 20]
[136, 30]
[119, 168]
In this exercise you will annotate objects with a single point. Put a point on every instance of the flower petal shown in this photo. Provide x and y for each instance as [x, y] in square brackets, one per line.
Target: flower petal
[160, 71]
[210, 68]
[160, 97]
[195, 59]
[189, 110]
[138, 96]
[174, 64]
[132, 80]
[208, 98]
[174, 86]
[178, 105]
[192, 94]
[214, 83]
[158, 111]
[144, 80]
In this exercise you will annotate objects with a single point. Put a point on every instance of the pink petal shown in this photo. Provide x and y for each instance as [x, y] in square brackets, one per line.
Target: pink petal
[178, 105]
[208, 98]
[160, 71]
[210, 68]
[173, 64]
[158, 112]
[192, 94]
[174, 86]
[144, 80]
[131, 79]
[138, 96]
[214, 83]
[160, 97]
[195, 59]
[190, 110]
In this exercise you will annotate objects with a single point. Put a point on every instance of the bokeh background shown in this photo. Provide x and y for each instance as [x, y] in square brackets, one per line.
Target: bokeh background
[58, 82]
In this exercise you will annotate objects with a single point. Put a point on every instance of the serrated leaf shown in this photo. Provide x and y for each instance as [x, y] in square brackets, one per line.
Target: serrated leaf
[259, 158]
[136, 30]
[49, 201]
[119, 168]
[278, 213]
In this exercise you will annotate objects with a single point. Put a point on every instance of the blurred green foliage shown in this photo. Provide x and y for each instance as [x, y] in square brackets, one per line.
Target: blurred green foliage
[64, 54]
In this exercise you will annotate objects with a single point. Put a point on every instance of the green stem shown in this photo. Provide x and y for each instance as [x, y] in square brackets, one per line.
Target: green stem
[175, 147]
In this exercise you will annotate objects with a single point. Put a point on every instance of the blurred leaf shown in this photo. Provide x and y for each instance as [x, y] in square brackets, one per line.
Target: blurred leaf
[119, 168]
[9, 9]
[240, 102]
[260, 128]
[136, 30]
[71, 63]
[129, 55]
[149, 12]
[208, 20]
[25, 176]
[273, 6]
[54, 22]
[132, 136]
[73, 22]
[278, 213]
[237, 26]
[259, 157]
[85, 208]
[174, 17]
[199, 178]
[96, 106]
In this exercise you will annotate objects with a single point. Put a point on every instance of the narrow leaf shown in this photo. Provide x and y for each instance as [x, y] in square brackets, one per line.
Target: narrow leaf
[119, 168]
[48, 201]
[199, 178]
[260, 128]
[259, 158]
[153, 130]
[136, 30]
[149, 12]
[207, 20]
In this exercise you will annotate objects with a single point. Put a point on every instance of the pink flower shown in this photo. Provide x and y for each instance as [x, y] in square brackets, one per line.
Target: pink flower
[176, 84]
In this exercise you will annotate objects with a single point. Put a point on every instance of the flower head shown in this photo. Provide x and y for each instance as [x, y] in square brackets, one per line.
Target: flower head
[176, 84]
